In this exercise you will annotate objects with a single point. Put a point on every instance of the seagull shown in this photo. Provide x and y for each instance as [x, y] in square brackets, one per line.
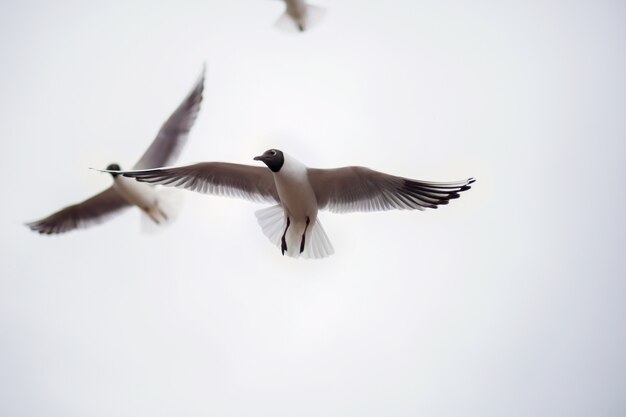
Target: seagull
[125, 193]
[299, 192]
[299, 16]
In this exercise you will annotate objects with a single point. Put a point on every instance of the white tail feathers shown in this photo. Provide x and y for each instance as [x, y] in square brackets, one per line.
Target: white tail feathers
[312, 16]
[169, 203]
[273, 221]
[318, 245]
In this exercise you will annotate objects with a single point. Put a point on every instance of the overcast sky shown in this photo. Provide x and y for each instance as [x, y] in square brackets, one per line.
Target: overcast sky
[509, 301]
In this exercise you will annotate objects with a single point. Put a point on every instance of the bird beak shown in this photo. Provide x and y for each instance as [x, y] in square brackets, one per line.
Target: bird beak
[258, 158]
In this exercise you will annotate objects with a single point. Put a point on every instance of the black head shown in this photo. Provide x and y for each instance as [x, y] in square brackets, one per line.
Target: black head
[114, 167]
[273, 158]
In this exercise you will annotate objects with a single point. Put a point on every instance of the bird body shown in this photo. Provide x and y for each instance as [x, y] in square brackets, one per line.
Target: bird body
[299, 192]
[297, 10]
[298, 202]
[141, 195]
[294, 190]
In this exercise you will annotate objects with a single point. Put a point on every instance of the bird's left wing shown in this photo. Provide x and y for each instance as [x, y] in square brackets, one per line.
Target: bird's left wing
[351, 189]
[173, 134]
[94, 210]
[218, 178]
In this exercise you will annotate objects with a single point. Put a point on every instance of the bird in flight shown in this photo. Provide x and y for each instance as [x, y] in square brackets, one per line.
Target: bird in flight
[125, 193]
[299, 16]
[299, 192]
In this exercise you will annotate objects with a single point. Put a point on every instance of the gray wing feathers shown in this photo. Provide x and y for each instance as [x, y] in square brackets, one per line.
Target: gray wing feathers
[173, 134]
[217, 178]
[92, 211]
[361, 189]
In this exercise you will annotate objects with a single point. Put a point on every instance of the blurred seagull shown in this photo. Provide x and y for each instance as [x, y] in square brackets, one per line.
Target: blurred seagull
[124, 192]
[300, 16]
[299, 192]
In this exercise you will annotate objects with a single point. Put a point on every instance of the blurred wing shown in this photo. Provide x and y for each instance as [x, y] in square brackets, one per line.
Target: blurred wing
[314, 14]
[361, 189]
[92, 211]
[286, 23]
[218, 178]
[173, 134]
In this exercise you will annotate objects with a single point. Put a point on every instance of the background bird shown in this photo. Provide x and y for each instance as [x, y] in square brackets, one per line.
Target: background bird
[159, 207]
[299, 16]
[299, 192]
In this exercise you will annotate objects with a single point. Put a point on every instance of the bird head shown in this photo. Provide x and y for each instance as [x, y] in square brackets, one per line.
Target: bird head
[273, 158]
[114, 167]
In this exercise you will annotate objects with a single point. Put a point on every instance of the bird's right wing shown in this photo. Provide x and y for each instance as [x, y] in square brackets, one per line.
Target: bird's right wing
[92, 211]
[217, 178]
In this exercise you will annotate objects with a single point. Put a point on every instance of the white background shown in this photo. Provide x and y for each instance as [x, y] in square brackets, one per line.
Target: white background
[509, 301]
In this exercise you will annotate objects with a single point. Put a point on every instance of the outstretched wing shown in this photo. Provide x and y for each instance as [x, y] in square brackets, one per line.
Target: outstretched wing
[173, 134]
[91, 211]
[218, 178]
[352, 189]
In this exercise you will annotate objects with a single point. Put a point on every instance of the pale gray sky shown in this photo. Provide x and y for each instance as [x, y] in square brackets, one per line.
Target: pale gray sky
[510, 301]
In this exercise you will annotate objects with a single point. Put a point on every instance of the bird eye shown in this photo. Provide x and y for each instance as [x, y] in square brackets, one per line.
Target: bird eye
[273, 152]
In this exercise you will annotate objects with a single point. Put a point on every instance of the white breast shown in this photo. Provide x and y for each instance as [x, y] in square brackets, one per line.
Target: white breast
[295, 191]
[137, 193]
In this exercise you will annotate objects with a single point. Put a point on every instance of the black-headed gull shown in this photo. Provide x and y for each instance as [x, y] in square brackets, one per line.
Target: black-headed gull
[126, 193]
[299, 192]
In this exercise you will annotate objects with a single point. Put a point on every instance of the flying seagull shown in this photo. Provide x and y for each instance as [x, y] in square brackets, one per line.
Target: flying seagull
[300, 192]
[125, 193]
[299, 16]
